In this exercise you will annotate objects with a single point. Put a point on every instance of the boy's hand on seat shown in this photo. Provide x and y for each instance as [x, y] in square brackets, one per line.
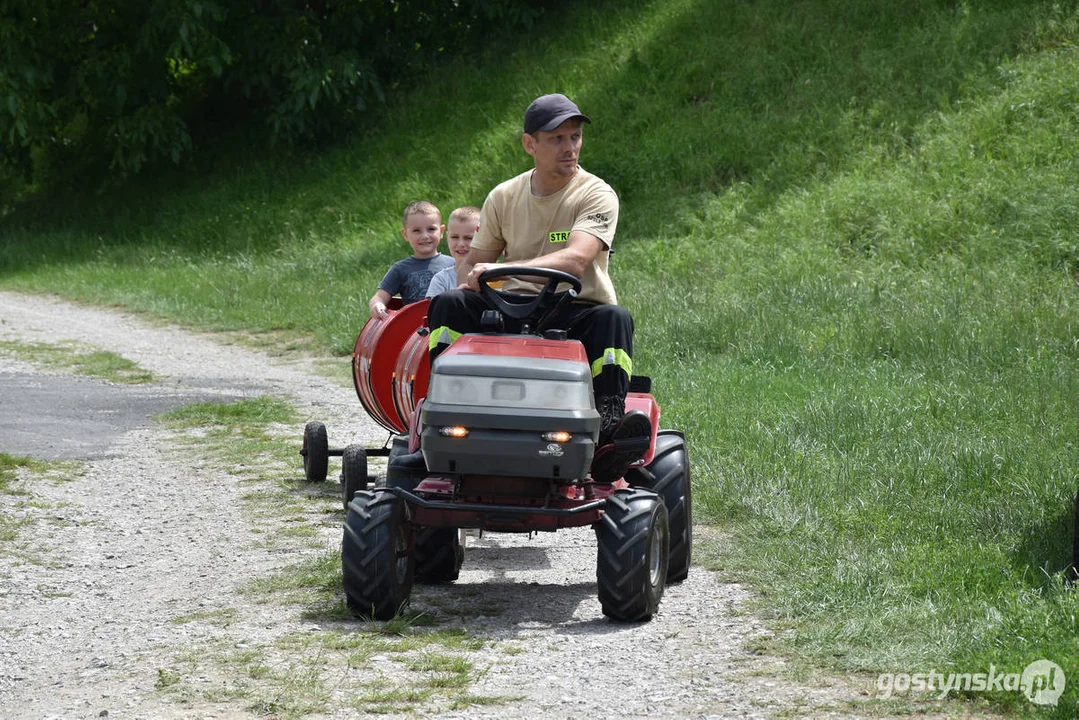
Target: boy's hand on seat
[378, 311]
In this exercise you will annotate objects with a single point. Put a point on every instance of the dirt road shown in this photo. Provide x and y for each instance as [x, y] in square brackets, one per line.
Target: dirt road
[127, 576]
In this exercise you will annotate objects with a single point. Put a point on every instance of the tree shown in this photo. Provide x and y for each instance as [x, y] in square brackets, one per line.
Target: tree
[87, 85]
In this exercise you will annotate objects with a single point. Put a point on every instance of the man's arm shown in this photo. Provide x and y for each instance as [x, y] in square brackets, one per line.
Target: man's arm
[581, 249]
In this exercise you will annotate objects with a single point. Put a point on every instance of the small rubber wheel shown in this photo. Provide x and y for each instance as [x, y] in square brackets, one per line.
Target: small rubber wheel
[316, 452]
[353, 472]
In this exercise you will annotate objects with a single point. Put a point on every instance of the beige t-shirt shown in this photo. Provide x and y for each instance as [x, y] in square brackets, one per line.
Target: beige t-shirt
[524, 227]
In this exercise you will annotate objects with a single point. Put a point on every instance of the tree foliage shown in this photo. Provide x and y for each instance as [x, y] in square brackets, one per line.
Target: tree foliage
[93, 84]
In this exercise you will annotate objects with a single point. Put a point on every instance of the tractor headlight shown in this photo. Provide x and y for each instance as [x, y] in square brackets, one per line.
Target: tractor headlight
[536, 394]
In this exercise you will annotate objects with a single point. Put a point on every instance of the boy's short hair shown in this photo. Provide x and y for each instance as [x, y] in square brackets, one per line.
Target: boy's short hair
[467, 212]
[420, 207]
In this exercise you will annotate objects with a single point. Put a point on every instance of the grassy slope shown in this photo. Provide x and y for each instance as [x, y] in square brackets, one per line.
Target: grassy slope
[848, 237]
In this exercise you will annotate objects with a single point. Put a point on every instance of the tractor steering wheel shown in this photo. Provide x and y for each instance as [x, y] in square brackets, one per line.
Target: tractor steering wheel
[543, 304]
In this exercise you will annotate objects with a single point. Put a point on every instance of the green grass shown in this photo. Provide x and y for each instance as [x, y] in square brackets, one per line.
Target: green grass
[79, 359]
[248, 413]
[849, 237]
[20, 506]
[9, 468]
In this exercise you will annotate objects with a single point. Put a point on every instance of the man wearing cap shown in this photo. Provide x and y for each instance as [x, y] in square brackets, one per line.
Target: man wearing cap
[557, 215]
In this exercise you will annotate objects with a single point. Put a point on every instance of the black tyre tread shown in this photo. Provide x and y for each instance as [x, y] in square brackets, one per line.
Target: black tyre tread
[439, 555]
[623, 539]
[677, 496]
[316, 452]
[353, 472]
[368, 556]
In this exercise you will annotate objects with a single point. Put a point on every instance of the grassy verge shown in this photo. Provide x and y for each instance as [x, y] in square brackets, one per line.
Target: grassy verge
[849, 237]
[414, 663]
[20, 506]
[79, 359]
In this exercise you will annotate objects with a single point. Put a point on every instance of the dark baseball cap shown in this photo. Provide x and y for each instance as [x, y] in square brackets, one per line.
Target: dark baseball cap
[549, 111]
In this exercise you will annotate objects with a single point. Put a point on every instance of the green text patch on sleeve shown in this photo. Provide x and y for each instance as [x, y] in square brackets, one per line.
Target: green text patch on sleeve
[557, 237]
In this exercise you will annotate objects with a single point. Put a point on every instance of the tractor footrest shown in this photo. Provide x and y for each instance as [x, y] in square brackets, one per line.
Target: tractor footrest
[632, 445]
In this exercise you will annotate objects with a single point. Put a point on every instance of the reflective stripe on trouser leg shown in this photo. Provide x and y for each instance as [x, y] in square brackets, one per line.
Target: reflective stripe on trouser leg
[441, 336]
[613, 356]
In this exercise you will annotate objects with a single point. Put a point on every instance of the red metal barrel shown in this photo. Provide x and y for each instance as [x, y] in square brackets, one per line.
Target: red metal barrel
[411, 374]
[375, 363]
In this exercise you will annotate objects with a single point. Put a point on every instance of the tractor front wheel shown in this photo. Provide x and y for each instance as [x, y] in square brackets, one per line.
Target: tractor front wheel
[353, 472]
[316, 452]
[631, 569]
[376, 560]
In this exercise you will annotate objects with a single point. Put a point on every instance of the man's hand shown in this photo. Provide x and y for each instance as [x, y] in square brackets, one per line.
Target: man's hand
[472, 282]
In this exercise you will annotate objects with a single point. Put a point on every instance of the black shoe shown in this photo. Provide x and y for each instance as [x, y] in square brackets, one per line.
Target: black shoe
[611, 409]
[410, 461]
[628, 442]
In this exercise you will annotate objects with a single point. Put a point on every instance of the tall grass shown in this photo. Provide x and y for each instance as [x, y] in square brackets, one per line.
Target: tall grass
[849, 239]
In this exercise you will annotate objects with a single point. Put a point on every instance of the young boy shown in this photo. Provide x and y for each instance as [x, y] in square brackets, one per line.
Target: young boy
[463, 224]
[410, 277]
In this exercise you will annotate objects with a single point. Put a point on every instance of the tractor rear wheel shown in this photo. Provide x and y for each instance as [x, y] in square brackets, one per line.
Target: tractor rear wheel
[668, 476]
[376, 560]
[316, 452]
[631, 569]
[439, 555]
[353, 472]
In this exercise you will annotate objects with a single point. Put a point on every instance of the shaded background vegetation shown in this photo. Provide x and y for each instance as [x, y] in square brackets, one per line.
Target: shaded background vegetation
[92, 87]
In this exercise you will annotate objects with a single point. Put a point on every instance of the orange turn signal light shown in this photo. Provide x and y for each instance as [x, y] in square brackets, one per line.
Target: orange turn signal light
[455, 431]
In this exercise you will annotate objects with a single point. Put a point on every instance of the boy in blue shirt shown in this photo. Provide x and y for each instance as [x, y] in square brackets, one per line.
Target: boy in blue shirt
[411, 277]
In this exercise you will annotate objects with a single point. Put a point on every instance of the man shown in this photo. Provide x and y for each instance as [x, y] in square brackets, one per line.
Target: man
[557, 215]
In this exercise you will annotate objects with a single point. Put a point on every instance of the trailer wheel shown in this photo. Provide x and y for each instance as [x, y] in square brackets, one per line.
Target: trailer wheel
[353, 472]
[439, 555]
[668, 476]
[316, 452]
[631, 568]
[376, 561]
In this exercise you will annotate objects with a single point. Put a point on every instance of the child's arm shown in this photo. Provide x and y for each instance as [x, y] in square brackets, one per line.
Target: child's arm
[377, 304]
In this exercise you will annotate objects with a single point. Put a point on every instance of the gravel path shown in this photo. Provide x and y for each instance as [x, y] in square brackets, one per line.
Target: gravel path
[111, 557]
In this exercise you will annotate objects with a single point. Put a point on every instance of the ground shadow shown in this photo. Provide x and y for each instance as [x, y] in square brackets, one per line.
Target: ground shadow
[1050, 547]
[496, 559]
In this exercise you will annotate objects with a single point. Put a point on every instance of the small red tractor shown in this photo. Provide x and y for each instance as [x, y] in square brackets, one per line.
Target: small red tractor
[507, 427]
